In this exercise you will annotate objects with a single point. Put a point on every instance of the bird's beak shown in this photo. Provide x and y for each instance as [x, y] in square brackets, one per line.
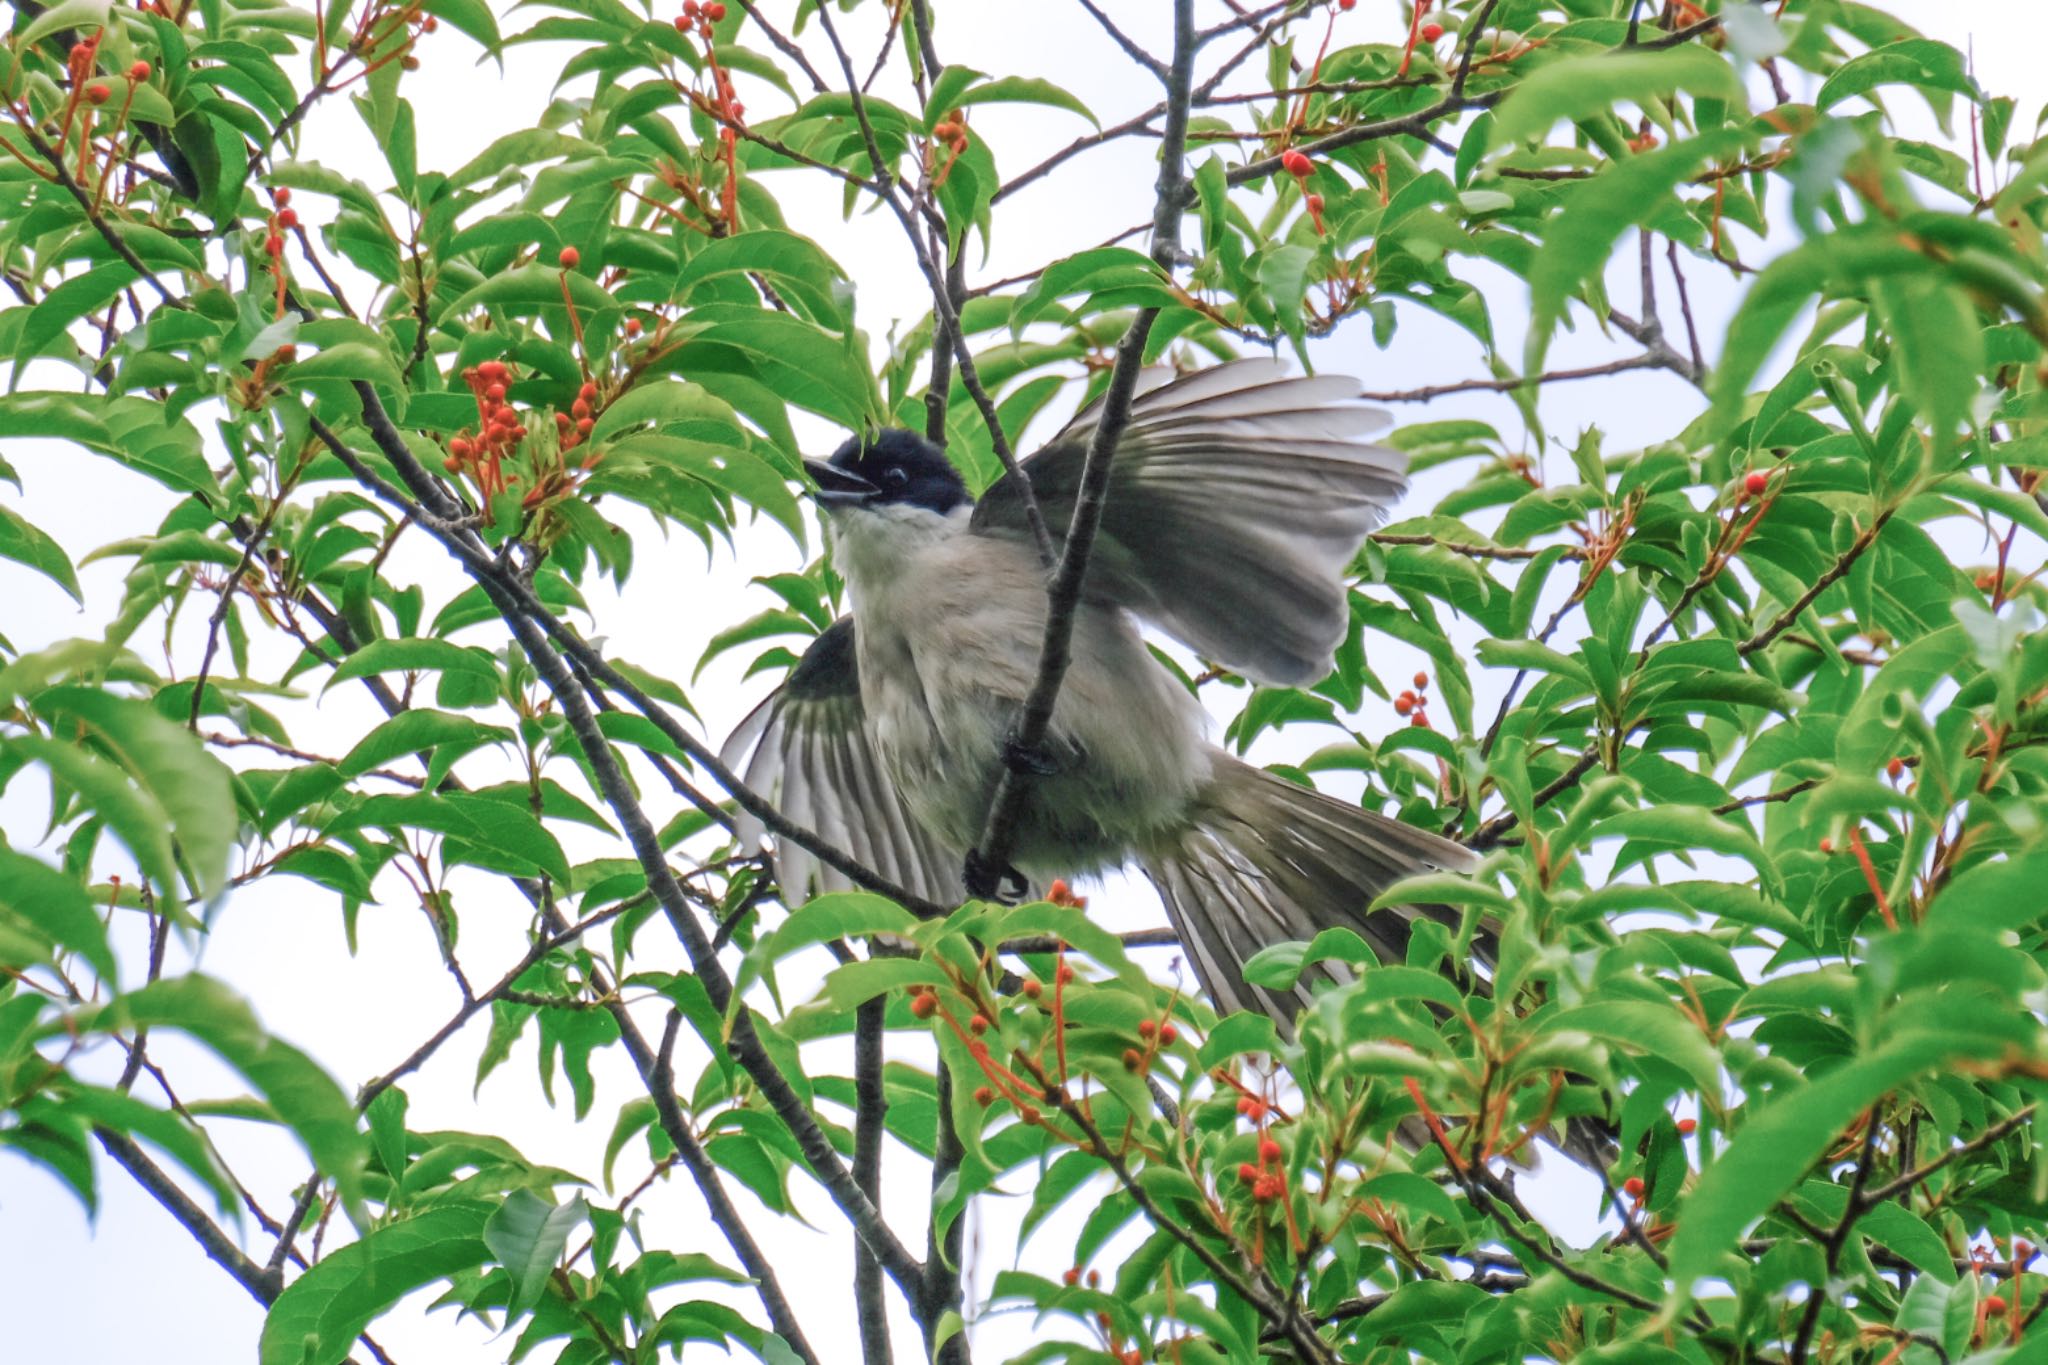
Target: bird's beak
[838, 487]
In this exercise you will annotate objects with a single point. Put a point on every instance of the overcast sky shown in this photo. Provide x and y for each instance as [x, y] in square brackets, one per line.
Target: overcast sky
[132, 1285]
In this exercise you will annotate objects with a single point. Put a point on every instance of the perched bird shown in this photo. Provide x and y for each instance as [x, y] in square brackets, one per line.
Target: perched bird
[1237, 500]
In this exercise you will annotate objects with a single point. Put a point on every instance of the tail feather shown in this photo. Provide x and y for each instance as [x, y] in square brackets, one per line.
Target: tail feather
[1264, 861]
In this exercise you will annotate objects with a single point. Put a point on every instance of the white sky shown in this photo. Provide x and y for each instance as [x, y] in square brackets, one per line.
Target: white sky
[132, 1285]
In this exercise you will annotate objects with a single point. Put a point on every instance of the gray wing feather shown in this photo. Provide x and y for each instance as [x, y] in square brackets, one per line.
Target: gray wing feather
[807, 750]
[1238, 498]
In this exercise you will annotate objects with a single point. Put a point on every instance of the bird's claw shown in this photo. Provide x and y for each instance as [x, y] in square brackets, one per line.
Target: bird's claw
[1005, 884]
[1028, 760]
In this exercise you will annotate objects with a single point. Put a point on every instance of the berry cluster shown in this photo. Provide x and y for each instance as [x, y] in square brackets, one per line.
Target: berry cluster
[575, 424]
[1267, 1180]
[1411, 704]
[498, 432]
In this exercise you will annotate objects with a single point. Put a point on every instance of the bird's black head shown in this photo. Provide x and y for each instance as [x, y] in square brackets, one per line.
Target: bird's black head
[891, 468]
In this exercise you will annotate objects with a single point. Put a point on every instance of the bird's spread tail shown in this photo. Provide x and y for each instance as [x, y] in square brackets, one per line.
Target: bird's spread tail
[1263, 861]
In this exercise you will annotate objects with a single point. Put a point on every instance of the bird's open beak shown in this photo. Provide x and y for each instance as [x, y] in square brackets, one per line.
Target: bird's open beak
[838, 487]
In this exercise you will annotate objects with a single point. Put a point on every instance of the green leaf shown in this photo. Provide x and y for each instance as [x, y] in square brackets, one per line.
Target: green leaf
[472, 17]
[487, 826]
[56, 907]
[960, 86]
[190, 785]
[1774, 1150]
[350, 360]
[1581, 87]
[1638, 1026]
[416, 656]
[528, 1235]
[135, 816]
[797, 267]
[416, 731]
[27, 544]
[1912, 61]
[68, 302]
[319, 1315]
[302, 1096]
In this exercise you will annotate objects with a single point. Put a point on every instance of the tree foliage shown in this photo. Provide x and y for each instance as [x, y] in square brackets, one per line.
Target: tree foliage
[1748, 720]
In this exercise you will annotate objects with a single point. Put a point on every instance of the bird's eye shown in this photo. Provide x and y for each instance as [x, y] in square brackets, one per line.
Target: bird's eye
[896, 476]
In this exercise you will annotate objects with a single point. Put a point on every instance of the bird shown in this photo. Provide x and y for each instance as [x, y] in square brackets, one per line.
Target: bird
[1238, 498]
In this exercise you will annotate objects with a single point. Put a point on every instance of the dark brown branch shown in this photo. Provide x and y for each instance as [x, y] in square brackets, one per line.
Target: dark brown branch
[871, 1104]
[1063, 595]
[1828, 579]
[1646, 361]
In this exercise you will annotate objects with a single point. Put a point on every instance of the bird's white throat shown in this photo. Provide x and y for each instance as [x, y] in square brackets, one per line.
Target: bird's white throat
[872, 546]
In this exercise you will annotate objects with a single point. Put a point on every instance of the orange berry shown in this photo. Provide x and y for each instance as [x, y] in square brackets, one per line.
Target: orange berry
[714, 11]
[1633, 1187]
[1827, 845]
[459, 448]
[1065, 975]
[946, 132]
[1168, 1034]
[452, 465]
[1132, 1059]
[1033, 987]
[1422, 682]
[1994, 1304]
[569, 257]
[1296, 163]
[1419, 721]
[984, 1096]
[1686, 1127]
[979, 1024]
[632, 327]
[139, 72]
[1094, 1279]
[98, 93]
[1403, 704]
[924, 1006]
[1071, 1276]
[1147, 1027]
[274, 244]
[1269, 1150]
[1895, 767]
[281, 197]
[287, 218]
[1247, 1173]
[1432, 32]
[286, 352]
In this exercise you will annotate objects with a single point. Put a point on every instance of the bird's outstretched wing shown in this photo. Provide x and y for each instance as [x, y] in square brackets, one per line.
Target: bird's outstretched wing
[808, 750]
[1237, 500]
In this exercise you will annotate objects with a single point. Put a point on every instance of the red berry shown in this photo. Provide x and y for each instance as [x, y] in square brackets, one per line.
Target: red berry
[978, 1024]
[1168, 1034]
[1315, 204]
[1033, 988]
[1827, 845]
[569, 257]
[496, 393]
[1094, 1279]
[1296, 164]
[459, 448]
[281, 197]
[1147, 1027]
[1419, 721]
[287, 218]
[632, 327]
[1895, 767]
[1994, 1304]
[98, 93]
[274, 244]
[1756, 483]
[1132, 1059]
[924, 1006]
[1432, 32]
[984, 1096]
[1403, 704]
[588, 393]
[1686, 1127]
[1633, 1187]
[683, 24]
[1065, 974]
[1347, 4]
[1247, 1173]
[452, 465]
[1422, 682]
[714, 11]
[1269, 1150]
[139, 72]
[430, 24]
[583, 426]
[1071, 1276]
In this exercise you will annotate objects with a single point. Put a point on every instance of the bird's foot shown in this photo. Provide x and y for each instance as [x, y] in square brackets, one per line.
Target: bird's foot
[1028, 760]
[985, 881]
